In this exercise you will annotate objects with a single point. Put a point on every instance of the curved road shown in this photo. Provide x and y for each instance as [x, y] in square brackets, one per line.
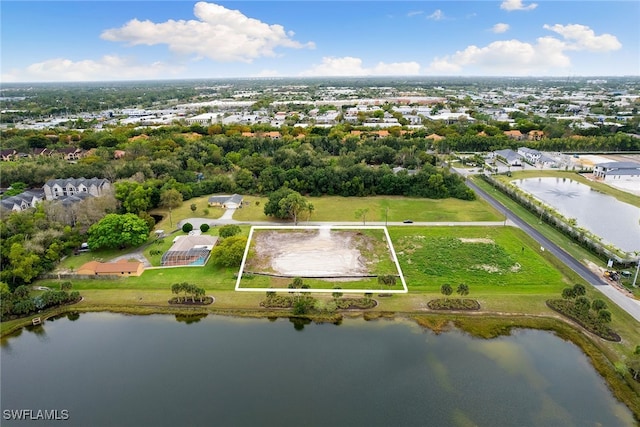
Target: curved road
[629, 305]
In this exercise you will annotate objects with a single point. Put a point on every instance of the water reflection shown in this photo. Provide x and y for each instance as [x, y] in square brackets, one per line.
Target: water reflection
[299, 322]
[190, 318]
[615, 222]
[150, 370]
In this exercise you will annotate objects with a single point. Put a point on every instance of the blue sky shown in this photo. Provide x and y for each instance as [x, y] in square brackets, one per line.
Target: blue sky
[124, 40]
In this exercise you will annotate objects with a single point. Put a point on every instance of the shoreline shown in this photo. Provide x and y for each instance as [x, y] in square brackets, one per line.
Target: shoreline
[490, 325]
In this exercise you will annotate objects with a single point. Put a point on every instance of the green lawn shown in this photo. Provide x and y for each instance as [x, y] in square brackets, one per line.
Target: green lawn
[492, 260]
[170, 223]
[428, 256]
[381, 208]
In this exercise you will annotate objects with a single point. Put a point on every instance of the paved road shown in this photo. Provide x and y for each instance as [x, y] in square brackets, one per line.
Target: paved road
[628, 304]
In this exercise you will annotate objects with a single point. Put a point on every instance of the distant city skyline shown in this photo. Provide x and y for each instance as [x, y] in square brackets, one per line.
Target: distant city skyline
[53, 41]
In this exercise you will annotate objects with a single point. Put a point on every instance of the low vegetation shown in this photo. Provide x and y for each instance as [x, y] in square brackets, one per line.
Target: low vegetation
[23, 302]
[454, 303]
[591, 315]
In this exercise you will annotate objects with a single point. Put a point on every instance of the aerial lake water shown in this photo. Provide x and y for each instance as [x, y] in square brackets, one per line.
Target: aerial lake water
[615, 222]
[116, 370]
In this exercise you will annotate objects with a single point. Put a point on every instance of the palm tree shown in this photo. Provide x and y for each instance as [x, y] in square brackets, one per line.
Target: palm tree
[462, 289]
[446, 289]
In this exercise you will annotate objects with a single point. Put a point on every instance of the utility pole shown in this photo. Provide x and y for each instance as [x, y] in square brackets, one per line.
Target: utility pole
[636, 276]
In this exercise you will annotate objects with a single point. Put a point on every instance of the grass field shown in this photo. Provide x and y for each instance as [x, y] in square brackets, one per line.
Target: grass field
[381, 208]
[490, 259]
[169, 223]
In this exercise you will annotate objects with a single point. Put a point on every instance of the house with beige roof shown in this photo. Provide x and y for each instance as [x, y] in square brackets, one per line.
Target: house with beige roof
[122, 268]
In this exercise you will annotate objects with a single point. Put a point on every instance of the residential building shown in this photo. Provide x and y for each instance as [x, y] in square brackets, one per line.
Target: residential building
[56, 189]
[25, 200]
[226, 202]
[514, 134]
[509, 157]
[609, 171]
[535, 135]
[530, 155]
[118, 268]
[70, 153]
[8, 155]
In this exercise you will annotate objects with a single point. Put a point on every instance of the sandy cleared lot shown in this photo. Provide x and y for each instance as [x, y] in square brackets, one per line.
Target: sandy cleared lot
[309, 253]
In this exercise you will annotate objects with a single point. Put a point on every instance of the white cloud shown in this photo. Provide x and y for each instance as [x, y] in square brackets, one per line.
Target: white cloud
[351, 66]
[515, 57]
[511, 5]
[584, 38]
[219, 33]
[107, 68]
[505, 57]
[437, 15]
[500, 28]
[415, 13]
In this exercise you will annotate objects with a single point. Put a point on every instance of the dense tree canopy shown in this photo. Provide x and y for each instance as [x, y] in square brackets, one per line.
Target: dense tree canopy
[230, 251]
[118, 231]
[287, 204]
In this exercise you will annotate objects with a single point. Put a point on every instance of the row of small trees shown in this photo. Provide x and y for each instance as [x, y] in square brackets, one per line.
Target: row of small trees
[583, 307]
[592, 315]
[186, 290]
[461, 290]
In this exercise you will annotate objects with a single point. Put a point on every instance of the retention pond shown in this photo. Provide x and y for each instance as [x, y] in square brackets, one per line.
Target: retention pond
[107, 369]
[615, 222]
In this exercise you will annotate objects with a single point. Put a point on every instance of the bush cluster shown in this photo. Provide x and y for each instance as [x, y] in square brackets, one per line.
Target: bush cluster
[20, 303]
[591, 315]
[453, 304]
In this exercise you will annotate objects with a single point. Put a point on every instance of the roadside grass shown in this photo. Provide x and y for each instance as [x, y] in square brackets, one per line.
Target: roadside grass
[548, 231]
[622, 196]
[381, 208]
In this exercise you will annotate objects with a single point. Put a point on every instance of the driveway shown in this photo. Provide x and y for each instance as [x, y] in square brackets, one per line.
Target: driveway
[226, 218]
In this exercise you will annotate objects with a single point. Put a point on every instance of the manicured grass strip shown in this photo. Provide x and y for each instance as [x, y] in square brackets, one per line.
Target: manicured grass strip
[381, 208]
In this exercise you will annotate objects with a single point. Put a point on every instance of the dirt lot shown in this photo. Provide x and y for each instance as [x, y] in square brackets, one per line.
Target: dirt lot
[309, 253]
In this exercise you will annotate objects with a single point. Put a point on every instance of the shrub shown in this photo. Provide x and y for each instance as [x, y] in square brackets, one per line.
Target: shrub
[229, 230]
[187, 227]
[302, 305]
[204, 227]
